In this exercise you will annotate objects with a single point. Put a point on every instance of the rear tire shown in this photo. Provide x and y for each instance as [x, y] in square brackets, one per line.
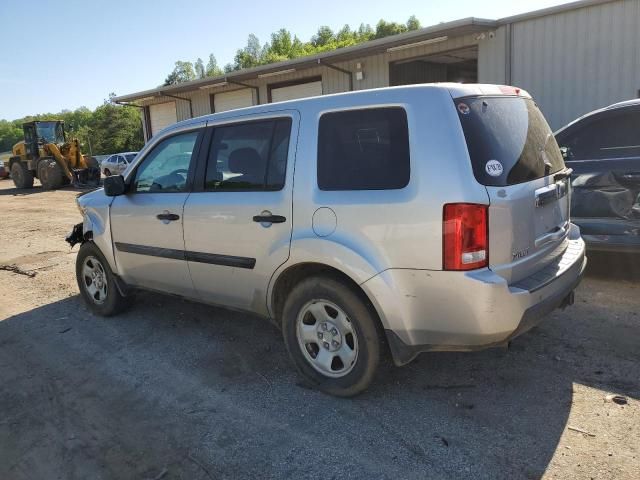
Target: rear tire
[332, 335]
[50, 174]
[107, 173]
[21, 175]
[97, 283]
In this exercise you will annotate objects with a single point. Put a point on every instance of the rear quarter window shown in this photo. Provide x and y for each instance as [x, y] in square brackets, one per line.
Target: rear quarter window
[363, 150]
[508, 139]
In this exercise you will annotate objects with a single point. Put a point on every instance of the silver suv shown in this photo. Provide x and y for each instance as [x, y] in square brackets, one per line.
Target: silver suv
[391, 221]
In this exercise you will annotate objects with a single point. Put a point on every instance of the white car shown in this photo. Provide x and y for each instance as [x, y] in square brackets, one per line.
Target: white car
[117, 163]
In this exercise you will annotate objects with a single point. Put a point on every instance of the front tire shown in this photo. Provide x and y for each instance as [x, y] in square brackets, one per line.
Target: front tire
[21, 175]
[97, 282]
[332, 335]
[50, 174]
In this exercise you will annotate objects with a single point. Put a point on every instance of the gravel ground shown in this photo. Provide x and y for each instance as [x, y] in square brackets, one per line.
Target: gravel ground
[173, 389]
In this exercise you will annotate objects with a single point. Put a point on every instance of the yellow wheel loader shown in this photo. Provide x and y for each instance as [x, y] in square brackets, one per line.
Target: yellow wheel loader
[46, 154]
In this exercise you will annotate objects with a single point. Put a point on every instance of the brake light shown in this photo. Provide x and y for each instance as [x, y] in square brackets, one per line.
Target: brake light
[465, 236]
[508, 90]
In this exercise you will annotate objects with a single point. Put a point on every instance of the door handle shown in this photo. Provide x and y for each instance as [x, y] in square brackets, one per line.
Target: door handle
[556, 234]
[262, 218]
[168, 217]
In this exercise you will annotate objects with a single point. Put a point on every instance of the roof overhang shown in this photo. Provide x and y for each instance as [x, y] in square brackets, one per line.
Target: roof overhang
[382, 45]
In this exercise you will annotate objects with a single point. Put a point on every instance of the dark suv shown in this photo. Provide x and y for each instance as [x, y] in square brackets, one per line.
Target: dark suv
[603, 149]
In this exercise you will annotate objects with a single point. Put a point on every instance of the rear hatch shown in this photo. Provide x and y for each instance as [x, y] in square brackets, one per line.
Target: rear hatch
[515, 156]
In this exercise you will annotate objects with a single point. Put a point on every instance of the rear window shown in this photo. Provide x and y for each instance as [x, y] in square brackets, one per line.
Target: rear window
[509, 140]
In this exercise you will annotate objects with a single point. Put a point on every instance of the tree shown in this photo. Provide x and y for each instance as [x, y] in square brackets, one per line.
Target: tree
[249, 56]
[323, 37]
[345, 34]
[10, 134]
[386, 29]
[199, 68]
[413, 23]
[213, 70]
[182, 72]
[365, 32]
[116, 128]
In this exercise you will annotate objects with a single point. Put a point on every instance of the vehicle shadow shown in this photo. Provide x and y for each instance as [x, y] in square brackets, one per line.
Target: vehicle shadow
[200, 392]
[21, 191]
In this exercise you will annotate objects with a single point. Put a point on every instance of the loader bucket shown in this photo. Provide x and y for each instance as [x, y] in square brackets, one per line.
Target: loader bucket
[86, 177]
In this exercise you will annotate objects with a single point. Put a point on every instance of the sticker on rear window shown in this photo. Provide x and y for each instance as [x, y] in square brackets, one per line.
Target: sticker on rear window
[463, 108]
[493, 168]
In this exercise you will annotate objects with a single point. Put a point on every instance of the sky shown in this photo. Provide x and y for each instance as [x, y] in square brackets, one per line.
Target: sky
[80, 51]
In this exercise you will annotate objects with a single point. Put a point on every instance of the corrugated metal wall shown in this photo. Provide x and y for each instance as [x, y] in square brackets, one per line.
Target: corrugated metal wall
[580, 60]
[376, 67]
[491, 57]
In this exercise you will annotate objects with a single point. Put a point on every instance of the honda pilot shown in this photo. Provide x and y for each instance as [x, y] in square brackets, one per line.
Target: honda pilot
[382, 222]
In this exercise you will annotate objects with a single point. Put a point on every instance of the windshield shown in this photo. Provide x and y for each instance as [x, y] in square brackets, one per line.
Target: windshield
[50, 132]
[509, 140]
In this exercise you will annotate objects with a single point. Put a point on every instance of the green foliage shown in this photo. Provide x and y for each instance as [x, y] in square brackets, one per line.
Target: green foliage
[413, 23]
[10, 134]
[213, 70]
[182, 72]
[199, 68]
[110, 128]
[284, 46]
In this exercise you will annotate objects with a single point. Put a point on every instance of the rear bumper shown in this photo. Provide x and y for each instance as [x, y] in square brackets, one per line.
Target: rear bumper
[456, 311]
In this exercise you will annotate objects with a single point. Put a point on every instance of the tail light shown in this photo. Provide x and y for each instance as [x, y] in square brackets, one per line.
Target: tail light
[465, 236]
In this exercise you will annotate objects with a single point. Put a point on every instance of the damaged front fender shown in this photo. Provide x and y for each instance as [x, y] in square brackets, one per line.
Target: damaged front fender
[76, 236]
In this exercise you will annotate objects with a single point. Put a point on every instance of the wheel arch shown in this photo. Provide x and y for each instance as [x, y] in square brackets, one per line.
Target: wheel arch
[284, 281]
[96, 228]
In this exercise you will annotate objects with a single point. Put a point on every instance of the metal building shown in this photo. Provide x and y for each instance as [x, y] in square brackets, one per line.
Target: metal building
[572, 58]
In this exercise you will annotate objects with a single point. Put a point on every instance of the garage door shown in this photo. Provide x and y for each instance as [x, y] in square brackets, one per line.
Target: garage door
[301, 90]
[231, 100]
[162, 115]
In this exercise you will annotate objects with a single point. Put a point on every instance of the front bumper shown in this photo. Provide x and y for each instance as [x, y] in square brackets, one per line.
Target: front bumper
[454, 311]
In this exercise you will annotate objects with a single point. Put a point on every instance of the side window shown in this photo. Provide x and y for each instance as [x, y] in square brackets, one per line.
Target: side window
[612, 136]
[363, 150]
[249, 156]
[120, 160]
[165, 168]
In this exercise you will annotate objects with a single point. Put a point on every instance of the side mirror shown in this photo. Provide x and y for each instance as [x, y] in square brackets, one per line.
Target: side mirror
[114, 186]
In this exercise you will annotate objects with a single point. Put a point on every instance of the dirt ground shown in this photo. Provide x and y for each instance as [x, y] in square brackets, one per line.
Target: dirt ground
[173, 389]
